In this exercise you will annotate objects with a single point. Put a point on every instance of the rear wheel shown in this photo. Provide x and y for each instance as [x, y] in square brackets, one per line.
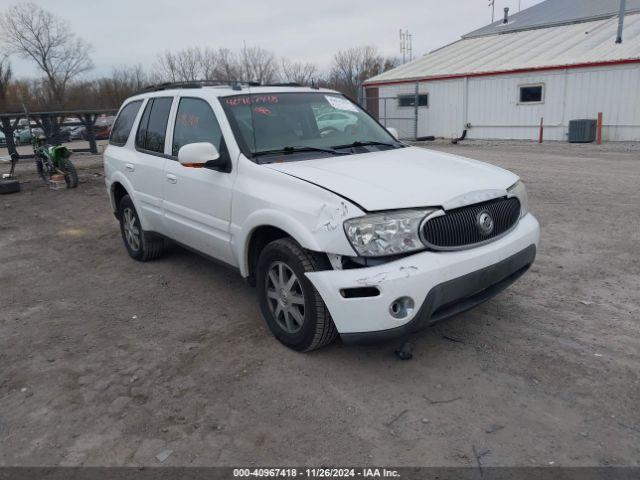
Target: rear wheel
[44, 175]
[70, 173]
[291, 306]
[142, 246]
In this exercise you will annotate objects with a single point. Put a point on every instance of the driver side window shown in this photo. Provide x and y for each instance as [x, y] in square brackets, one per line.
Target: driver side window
[195, 122]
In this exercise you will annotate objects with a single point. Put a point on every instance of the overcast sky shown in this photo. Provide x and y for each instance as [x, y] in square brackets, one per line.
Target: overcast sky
[134, 31]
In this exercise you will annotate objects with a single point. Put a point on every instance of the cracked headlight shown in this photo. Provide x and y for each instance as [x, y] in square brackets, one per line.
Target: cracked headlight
[386, 233]
[519, 190]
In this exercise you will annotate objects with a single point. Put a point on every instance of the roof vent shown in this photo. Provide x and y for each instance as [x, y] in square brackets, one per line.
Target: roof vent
[506, 15]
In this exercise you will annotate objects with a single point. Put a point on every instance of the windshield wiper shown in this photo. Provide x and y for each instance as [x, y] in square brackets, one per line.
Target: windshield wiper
[290, 150]
[365, 143]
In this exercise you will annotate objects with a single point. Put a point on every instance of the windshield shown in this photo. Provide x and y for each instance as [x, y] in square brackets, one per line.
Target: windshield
[306, 123]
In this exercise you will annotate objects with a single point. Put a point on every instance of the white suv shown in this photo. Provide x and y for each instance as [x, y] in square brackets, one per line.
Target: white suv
[343, 229]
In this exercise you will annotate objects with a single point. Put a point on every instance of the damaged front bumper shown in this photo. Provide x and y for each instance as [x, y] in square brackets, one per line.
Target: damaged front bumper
[440, 284]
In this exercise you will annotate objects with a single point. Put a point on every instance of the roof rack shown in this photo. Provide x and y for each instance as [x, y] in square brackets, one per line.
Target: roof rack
[235, 84]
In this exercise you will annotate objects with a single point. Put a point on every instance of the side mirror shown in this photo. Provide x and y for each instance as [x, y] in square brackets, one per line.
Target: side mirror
[393, 132]
[198, 155]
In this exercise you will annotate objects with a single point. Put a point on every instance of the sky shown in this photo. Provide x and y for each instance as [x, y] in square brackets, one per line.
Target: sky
[128, 32]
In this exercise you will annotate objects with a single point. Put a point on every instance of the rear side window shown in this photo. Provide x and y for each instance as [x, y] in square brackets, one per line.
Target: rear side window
[153, 125]
[195, 122]
[123, 124]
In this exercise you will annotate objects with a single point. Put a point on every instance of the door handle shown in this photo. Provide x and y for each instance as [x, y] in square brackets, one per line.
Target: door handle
[130, 167]
[171, 178]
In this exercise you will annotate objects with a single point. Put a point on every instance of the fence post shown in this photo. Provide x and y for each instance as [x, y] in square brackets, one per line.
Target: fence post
[385, 110]
[89, 121]
[599, 129]
[415, 111]
[541, 130]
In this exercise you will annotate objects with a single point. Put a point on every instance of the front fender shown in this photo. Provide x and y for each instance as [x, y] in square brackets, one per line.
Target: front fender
[325, 234]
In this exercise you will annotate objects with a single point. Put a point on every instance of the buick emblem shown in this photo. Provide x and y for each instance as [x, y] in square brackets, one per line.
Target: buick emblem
[485, 223]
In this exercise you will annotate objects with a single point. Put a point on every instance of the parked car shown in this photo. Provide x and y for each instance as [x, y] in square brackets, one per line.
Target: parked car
[100, 132]
[77, 133]
[351, 233]
[24, 135]
[332, 121]
[64, 135]
[3, 140]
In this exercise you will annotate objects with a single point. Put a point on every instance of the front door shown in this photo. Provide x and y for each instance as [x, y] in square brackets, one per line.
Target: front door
[197, 201]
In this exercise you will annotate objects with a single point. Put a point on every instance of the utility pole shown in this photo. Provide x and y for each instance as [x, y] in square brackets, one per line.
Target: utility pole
[492, 4]
[406, 45]
[620, 21]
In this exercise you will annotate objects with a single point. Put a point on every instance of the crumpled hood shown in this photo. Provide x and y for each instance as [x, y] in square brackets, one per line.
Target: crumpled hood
[403, 178]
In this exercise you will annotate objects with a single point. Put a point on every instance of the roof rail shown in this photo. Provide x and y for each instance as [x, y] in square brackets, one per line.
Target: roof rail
[236, 84]
[283, 84]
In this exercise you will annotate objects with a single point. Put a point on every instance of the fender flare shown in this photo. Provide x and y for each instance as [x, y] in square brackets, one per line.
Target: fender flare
[118, 177]
[269, 218]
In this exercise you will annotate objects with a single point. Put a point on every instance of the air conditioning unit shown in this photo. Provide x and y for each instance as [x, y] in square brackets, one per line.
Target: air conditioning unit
[582, 131]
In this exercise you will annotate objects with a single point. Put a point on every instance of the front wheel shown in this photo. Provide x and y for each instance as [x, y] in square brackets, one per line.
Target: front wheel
[290, 305]
[70, 173]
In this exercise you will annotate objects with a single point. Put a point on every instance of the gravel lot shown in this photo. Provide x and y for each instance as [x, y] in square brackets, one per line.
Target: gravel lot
[106, 361]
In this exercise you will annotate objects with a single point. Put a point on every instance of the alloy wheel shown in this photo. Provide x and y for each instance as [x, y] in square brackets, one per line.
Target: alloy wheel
[285, 297]
[131, 230]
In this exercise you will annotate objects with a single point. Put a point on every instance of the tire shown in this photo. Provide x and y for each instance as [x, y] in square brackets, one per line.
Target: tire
[148, 246]
[9, 186]
[70, 173]
[317, 328]
[41, 172]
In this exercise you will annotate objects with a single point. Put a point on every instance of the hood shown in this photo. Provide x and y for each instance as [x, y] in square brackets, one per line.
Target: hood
[404, 178]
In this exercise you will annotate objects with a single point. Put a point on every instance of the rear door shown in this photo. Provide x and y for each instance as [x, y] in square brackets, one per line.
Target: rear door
[147, 173]
[197, 201]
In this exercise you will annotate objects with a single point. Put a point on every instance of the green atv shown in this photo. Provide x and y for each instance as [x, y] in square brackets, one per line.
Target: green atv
[52, 160]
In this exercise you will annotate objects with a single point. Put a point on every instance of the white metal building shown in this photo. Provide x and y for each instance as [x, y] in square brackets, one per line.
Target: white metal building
[557, 60]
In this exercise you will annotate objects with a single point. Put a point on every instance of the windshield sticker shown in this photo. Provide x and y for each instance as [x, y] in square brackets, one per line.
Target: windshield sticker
[253, 99]
[340, 103]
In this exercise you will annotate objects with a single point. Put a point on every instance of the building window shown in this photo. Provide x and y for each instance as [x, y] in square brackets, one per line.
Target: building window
[410, 100]
[531, 93]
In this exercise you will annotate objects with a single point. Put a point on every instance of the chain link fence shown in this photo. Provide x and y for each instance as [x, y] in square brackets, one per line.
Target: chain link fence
[399, 111]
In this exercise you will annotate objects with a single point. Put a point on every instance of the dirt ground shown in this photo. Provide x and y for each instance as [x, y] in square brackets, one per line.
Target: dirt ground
[106, 361]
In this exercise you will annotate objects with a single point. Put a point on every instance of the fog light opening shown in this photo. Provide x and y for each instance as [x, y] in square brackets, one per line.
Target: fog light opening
[401, 307]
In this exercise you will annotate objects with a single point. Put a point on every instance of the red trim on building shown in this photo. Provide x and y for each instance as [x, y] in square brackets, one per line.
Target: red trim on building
[504, 72]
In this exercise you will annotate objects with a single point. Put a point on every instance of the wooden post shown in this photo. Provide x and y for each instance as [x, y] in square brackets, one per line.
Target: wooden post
[89, 120]
[599, 129]
[541, 130]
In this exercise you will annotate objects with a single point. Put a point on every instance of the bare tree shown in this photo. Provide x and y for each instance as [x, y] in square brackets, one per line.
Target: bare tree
[35, 33]
[181, 66]
[259, 65]
[107, 92]
[5, 79]
[228, 67]
[298, 72]
[6, 104]
[353, 66]
[194, 63]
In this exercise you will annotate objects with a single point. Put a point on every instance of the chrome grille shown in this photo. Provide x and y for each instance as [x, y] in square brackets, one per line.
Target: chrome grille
[469, 226]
